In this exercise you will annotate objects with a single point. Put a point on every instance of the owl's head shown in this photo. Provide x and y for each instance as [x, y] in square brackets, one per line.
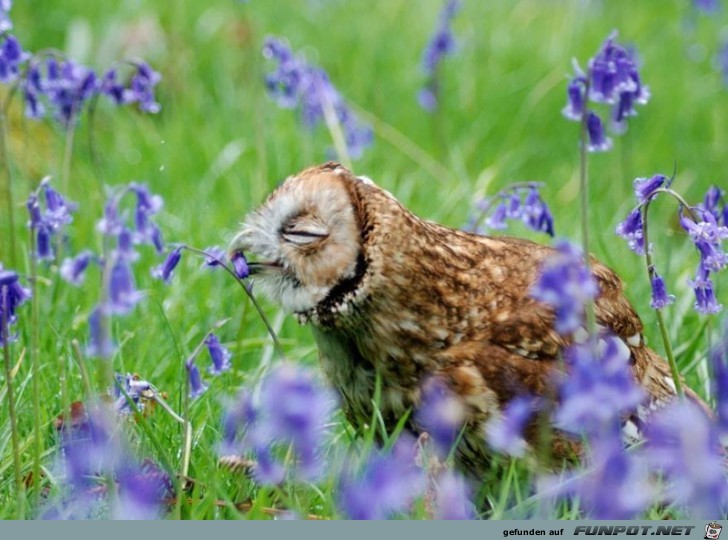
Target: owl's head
[305, 242]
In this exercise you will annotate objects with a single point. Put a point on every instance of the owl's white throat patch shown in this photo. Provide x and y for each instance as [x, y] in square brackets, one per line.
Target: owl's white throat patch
[339, 302]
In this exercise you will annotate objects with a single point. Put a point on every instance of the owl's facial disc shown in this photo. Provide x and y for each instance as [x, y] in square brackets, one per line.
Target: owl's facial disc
[303, 241]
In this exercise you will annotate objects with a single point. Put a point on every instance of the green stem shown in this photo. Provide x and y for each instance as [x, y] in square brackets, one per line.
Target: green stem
[337, 135]
[261, 313]
[35, 366]
[8, 186]
[5, 336]
[68, 151]
[584, 199]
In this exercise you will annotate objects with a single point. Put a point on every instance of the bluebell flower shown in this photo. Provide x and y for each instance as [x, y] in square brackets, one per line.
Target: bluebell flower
[12, 56]
[565, 284]
[660, 298]
[12, 295]
[682, 443]
[100, 343]
[164, 271]
[196, 385]
[707, 6]
[123, 295]
[441, 413]
[715, 203]
[576, 103]
[134, 387]
[453, 499]
[644, 188]
[73, 270]
[5, 23]
[705, 301]
[91, 451]
[719, 380]
[240, 265]
[505, 432]
[598, 141]
[613, 484]
[598, 386]
[520, 201]
[293, 413]
[386, 484]
[295, 83]
[441, 44]
[708, 236]
[631, 229]
[613, 78]
[219, 355]
[215, 256]
[49, 222]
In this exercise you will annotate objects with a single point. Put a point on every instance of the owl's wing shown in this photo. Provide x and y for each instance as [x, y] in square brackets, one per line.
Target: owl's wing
[525, 326]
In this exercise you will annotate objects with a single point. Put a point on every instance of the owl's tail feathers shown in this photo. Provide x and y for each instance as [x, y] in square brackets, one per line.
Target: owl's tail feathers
[654, 373]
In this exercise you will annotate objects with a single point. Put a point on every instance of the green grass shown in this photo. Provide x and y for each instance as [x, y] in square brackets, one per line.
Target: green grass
[220, 145]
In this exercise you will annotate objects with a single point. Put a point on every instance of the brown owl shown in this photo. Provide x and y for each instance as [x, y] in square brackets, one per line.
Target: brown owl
[387, 293]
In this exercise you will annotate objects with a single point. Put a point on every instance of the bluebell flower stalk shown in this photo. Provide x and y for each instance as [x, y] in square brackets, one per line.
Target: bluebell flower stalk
[705, 224]
[613, 78]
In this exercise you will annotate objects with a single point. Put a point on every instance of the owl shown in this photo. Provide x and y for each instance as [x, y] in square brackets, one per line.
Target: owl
[397, 299]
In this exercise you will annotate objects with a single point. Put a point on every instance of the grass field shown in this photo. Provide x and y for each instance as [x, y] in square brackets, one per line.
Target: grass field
[220, 144]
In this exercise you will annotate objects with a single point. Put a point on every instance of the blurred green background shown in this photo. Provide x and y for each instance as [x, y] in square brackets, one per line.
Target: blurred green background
[220, 144]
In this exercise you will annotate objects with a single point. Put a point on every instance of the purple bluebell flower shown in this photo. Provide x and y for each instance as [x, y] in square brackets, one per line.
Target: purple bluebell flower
[453, 499]
[614, 483]
[295, 83]
[613, 78]
[576, 104]
[441, 414]
[123, 295]
[5, 23]
[196, 384]
[565, 284]
[293, 412]
[219, 355]
[719, 364]
[74, 270]
[12, 56]
[521, 201]
[631, 229]
[43, 246]
[164, 271]
[660, 298]
[386, 484]
[705, 301]
[644, 188]
[598, 386]
[91, 451]
[441, 44]
[240, 265]
[707, 7]
[142, 87]
[715, 203]
[505, 432]
[142, 492]
[100, 343]
[598, 141]
[48, 222]
[215, 256]
[682, 443]
[708, 236]
[12, 295]
[134, 387]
